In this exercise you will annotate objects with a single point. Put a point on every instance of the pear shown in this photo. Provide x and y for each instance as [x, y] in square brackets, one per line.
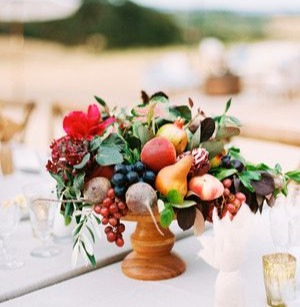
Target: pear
[174, 177]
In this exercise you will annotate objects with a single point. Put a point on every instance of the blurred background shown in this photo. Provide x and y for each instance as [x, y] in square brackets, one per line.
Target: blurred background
[55, 55]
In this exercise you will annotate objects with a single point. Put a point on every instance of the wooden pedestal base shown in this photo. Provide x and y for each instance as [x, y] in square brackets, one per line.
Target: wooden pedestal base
[151, 258]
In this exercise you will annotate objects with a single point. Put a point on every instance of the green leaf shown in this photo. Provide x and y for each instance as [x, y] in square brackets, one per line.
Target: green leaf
[222, 173]
[95, 143]
[225, 132]
[68, 220]
[108, 156]
[91, 233]
[58, 179]
[195, 140]
[228, 104]
[235, 153]
[79, 181]
[159, 99]
[166, 216]
[247, 176]
[183, 112]
[294, 175]
[214, 147]
[101, 101]
[278, 169]
[142, 132]
[77, 229]
[113, 141]
[258, 167]
[174, 197]
[185, 204]
[91, 257]
[208, 127]
[83, 162]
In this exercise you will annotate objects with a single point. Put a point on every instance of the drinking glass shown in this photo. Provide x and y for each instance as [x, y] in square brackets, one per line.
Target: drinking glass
[9, 218]
[280, 278]
[42, 210]
[285, 221]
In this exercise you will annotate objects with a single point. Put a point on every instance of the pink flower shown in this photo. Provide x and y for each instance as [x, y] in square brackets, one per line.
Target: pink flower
[81, 125]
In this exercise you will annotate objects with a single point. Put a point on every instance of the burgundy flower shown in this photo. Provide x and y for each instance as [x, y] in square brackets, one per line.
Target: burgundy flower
[81, 125]
[66, 152]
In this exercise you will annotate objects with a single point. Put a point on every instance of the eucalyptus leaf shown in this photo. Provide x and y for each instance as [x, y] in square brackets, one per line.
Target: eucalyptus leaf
[159, 98]
[113, 141]
[225, 132]
[109, 156]
[58, 179]
[214, 147]
[101, 101]
[142, 133]
[207, 129]
[79, 181]
[195, 139]
[228, 104]
[95, 143]
[83, 162]
[184, 112]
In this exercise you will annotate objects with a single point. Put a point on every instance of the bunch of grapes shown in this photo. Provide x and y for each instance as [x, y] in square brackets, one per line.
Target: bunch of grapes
[112, 209]
[227, 162]
[232, 201]
[128, 174]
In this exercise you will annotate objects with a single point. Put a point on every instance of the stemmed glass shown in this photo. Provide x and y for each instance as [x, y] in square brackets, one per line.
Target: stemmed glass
[9, 218]
[285, 221]
[42, 209]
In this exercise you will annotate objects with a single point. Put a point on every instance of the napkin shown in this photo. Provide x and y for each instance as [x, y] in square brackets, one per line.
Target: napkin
[225, 251]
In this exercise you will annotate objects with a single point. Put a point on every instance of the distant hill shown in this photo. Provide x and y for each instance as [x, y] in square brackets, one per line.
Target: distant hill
[102, 24]
[123, 25]
[225, 25]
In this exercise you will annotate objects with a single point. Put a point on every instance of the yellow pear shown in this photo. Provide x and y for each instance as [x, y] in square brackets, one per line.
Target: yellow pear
[174, 177]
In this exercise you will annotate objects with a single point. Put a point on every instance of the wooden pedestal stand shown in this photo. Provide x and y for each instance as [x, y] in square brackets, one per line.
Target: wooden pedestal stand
[151, 258]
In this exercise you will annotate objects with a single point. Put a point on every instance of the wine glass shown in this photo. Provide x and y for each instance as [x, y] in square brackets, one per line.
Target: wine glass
[42, 204]
[285, 220]
[9, 218]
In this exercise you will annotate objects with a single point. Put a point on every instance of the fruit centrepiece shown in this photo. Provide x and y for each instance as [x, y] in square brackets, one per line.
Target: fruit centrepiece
[174, 177]
[128, 174]
[112, 209]
[207, 187]
[175, 134]
[158, 153]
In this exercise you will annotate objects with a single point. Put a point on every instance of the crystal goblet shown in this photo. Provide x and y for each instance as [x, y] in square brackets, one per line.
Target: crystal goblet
[9, 218]
[42, 210]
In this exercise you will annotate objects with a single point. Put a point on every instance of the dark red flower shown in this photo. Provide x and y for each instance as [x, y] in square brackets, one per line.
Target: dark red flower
[66, 152]
[81, 125]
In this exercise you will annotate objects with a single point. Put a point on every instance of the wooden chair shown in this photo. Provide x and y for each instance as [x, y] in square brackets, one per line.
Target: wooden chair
[12, 129]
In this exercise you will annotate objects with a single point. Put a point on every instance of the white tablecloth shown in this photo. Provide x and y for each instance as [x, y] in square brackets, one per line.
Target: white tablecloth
[109, 287]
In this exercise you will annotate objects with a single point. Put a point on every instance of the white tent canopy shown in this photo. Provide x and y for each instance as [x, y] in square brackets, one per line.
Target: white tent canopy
[36, 10]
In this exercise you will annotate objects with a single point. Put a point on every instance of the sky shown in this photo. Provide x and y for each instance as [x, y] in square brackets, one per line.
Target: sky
[239, 5]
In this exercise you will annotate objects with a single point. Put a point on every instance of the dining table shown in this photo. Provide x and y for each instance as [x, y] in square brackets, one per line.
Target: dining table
[55, 281]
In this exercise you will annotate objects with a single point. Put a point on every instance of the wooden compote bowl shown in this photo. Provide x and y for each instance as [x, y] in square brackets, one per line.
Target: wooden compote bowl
[151, 258]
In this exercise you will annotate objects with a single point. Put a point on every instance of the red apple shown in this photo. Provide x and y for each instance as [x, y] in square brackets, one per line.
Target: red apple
[158, 153]
[207, 187]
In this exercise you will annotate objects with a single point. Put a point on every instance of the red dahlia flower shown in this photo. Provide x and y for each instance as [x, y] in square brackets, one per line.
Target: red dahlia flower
[65, 153]
[81, 125]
